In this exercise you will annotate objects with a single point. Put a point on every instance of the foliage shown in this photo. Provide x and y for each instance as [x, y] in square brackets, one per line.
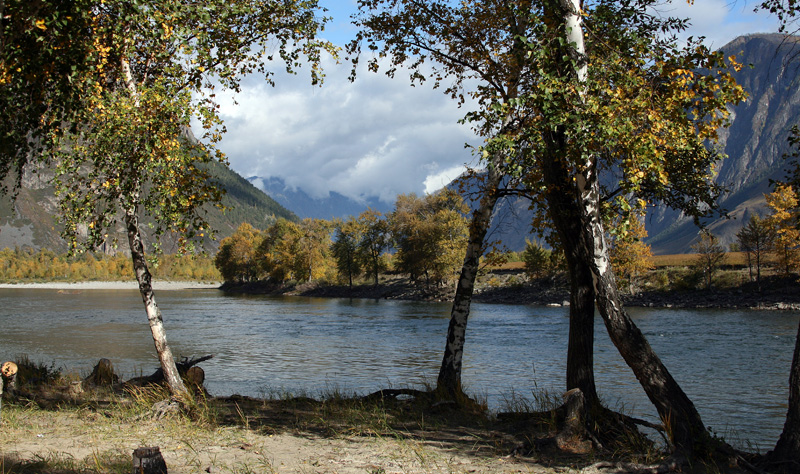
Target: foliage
[629, 255]
[429, 235]
[345, 248]
[786, 11]
[44, 265]
[236, 258]
[294, 251]
[756, 239]
[710, 255]
[147, 69]
[44, 53]
[783, 220]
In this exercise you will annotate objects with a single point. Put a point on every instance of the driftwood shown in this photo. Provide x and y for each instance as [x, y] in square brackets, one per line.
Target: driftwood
[394, 393]
[184, 367]
[8, 379]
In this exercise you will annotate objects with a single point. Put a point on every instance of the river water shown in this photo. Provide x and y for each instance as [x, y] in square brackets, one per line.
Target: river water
[733, 364]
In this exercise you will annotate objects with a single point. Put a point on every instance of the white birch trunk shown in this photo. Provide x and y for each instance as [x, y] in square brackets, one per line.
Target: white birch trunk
[674, 407]
[449, 380]
[143, 277]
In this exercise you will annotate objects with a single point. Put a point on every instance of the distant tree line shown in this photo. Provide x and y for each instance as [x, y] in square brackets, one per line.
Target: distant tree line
[423, 237]
[26, 264]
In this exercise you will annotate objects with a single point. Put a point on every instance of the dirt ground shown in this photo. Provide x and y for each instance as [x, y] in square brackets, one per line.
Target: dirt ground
[242, 435]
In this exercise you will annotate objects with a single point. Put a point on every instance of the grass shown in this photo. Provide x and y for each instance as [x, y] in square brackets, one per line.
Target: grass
[97, 434]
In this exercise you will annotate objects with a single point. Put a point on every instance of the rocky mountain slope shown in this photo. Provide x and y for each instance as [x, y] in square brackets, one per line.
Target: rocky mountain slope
[754, 144]
[31, 221]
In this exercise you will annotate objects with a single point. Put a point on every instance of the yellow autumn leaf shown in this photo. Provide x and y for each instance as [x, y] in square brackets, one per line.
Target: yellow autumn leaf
[40, 24]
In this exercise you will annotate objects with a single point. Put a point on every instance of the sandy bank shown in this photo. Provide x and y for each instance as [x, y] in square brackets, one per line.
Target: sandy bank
[113, 285]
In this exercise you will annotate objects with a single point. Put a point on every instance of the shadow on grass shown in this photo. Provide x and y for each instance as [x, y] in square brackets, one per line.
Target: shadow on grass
[63, 464]
[466, 429]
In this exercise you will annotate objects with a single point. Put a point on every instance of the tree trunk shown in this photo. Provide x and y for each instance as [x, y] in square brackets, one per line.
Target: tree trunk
[449, 380]
[143, 277]
[579, 191]
[787, 451]
[580, 348]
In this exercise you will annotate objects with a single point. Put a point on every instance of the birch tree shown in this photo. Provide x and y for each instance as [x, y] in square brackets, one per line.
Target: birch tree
[642, 108]
[151, 68]
[630, 103]
[473, 43]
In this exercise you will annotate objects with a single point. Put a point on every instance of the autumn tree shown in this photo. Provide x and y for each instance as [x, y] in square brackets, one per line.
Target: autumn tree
[756, 240]
[630, 256]
[311, 261]
[783, 221]
[236, 258]
[148, 69]
[428, 234]
[710, 256]
[629, 102]
[451, 44]
[277, 250]
[347, 238]
[373, 242]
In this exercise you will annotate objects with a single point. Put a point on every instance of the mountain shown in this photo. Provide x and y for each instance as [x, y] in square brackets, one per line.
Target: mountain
[755, 143]
[335, 205]
[31, 220]
[754, 146]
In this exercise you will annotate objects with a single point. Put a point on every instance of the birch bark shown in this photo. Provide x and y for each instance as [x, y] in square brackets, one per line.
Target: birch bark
[144, 278]
[449, 380]
[674, 407]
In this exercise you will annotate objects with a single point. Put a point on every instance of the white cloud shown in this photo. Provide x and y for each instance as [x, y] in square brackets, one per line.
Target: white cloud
[379, 136]
[719, 21]
[440, 179]
[373, 137]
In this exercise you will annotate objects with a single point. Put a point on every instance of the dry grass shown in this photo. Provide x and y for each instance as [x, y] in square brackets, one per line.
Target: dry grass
[736, 259]
[286, 433]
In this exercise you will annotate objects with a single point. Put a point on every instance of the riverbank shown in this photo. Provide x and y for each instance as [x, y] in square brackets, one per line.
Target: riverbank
[778, 293]
[86, 433]
[112, 285]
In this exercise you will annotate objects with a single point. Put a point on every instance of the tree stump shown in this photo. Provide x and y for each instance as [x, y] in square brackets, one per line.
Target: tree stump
[103, 374]
[573, 435]
[149, 461]
[8, 370]
[195, 376]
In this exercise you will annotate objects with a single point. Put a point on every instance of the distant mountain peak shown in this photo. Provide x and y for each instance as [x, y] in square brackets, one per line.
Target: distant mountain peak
[335, 205]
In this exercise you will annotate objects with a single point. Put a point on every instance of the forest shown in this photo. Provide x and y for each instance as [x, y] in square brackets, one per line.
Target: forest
[591, 110]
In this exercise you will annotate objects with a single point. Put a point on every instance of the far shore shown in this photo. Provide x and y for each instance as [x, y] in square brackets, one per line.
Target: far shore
[113, 285]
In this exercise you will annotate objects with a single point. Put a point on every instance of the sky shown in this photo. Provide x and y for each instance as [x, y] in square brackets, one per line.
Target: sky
[380, 137]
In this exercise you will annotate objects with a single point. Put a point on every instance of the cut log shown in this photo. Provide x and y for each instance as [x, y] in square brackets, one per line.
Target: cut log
[158, 376]
[149, 461]
[8, 370]
[102, 374]
[195, 376]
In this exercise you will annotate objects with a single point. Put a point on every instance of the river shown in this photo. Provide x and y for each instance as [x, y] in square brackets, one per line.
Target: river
[733, 364]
